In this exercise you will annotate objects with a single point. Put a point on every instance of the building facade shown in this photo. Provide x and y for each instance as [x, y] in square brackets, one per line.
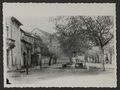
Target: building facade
[13, 43]
[22, 48]
[31, 49]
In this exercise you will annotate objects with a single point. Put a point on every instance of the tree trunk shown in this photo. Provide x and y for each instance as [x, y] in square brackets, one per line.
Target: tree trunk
[50, 60]
[102, 58]
[98, 59]
[110, 58]
[86, 60]
[53, 60]
[41, 62]
[56, 61]
[70, 58]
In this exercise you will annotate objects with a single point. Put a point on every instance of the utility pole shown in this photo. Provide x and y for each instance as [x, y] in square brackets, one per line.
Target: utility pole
[11, 49]
[27, 62]
[41, 58]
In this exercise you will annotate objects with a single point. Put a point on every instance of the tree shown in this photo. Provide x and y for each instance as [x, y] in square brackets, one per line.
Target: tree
[110, 50]
[94, 53]
[99, 29]
[54, 48]
[81, 32]
[51, 48]
[71, 35]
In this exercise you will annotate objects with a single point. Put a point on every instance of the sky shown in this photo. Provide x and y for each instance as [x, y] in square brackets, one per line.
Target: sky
[37, 15]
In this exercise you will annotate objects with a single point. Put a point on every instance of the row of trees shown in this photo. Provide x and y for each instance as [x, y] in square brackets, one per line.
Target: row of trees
[81, 33]
[51, 48]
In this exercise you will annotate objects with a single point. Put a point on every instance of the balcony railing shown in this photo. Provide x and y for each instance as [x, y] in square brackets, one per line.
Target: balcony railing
[10, 43]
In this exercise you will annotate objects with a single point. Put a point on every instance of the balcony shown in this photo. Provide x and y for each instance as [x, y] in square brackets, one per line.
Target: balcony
[10, 43]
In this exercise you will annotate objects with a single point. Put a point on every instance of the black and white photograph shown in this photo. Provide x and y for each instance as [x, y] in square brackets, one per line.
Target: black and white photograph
[59, 45]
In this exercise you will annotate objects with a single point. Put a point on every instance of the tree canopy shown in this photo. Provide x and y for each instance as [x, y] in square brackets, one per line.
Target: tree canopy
[80, 33]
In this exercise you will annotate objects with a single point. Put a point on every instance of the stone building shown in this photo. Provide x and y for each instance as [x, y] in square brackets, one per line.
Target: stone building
[31, 49]
[22, 48]
[13, 42]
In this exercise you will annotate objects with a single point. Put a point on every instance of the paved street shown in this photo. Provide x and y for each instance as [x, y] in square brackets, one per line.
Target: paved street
[57, 77]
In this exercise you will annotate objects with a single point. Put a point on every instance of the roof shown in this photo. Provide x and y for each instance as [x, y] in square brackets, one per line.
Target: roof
[42, 31]
[22, 30]
[16, 20]
[30, 34]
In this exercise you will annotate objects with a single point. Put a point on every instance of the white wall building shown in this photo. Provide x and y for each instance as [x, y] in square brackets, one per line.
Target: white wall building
[13, 42]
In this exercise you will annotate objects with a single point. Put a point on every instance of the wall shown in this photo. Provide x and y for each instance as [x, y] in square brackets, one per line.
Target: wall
[14, 33]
